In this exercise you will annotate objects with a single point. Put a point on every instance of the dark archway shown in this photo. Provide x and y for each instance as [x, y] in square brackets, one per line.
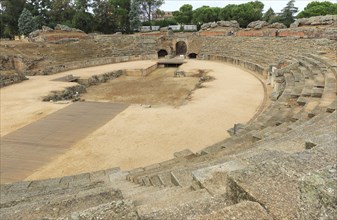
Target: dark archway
[162, 53]
[192, 55]
[181, 48]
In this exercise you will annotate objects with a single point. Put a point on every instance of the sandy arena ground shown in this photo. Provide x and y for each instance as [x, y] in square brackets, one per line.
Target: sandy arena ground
[140, 136]
[21, 103]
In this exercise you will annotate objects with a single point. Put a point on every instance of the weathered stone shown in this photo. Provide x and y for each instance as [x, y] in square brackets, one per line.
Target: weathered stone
[257, 24]
[179, 73]
[214, 25]
[205, 26]
[170, 32]
[277, 25]
[231, 23]
[245, 210]
[163, 29]
[34, 33]
[313, 21]
[46, 29]
[62, 27]
[65, 40]
[121, 209]
[319, 194]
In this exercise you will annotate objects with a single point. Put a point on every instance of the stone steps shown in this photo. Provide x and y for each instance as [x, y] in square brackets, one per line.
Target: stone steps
[41, 188]
[61, 203]
[184, 172]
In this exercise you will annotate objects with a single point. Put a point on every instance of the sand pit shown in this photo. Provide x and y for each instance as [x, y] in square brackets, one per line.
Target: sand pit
[142, 136]
[158, 88]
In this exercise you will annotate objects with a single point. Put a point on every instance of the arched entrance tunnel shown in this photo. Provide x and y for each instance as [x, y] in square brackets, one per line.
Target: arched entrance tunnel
[192, 55]
[162, 53]
[181, 48]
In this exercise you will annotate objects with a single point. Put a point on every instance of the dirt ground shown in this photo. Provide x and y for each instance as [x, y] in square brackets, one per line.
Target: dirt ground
[141, 136]
[158, 88]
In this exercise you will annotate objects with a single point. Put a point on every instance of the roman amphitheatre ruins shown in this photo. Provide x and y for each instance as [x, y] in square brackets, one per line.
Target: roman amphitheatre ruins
[224, 123]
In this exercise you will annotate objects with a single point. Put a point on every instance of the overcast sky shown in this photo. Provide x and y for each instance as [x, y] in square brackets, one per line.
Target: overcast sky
[277, 5]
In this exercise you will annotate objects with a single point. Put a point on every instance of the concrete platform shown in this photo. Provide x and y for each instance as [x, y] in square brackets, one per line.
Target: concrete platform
[27, 149]
[175, 62]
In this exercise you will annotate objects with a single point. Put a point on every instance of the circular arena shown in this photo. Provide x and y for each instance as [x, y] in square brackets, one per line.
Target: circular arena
[162, 126]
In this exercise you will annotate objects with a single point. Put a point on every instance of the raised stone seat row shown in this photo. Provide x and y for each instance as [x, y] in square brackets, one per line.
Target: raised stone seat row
[285, 127]
[273, 49]
[279, 112]
[183, 176]
[41, 188]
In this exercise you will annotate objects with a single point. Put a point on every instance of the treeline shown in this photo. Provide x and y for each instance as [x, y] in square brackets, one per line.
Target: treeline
[251, 11]
[110, 16]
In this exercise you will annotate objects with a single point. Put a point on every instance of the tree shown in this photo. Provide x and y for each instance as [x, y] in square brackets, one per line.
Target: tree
[134, 15]
[83, 21]
[205, 14]
[148, 7]
[104, 16]
[318, 8]
[269, 15]
[82, 5]
[243, 13]
[184, 15]
[287, 14]
[121, 14]
[62, 12]
[26, 22]
[10, 12]
[40, 11]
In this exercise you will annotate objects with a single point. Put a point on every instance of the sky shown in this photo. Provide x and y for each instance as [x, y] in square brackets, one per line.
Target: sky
[277, 5]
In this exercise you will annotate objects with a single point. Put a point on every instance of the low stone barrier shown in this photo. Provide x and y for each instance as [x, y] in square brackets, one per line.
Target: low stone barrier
[6, 80]
[140, 72]
[73, 92]
[243, 63]
[87, 63]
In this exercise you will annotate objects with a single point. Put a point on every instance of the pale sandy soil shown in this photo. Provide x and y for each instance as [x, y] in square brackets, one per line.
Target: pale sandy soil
[142, 136]
[21, 103]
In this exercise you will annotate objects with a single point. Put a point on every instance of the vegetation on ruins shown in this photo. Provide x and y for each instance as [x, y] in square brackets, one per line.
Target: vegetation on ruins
[134, 15]
[243, 13]
[205, 14]
[318, 8]
[184, 15]
[269, 15]
[109, 16]
[10, 11]
[287, 15]
[26, 22]
[148, 7]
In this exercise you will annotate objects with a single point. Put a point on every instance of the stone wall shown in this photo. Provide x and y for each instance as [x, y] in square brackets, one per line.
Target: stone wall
[243, 63]
[12, 69]
[6, 80]
[73, 92]
[140, 72]
[87, 63]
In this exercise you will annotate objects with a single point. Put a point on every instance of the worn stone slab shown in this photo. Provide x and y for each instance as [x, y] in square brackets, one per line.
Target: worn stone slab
[27, 149]
[245, 210]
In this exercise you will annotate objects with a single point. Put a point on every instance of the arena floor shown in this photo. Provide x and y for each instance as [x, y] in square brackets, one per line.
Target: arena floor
[139, 135]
